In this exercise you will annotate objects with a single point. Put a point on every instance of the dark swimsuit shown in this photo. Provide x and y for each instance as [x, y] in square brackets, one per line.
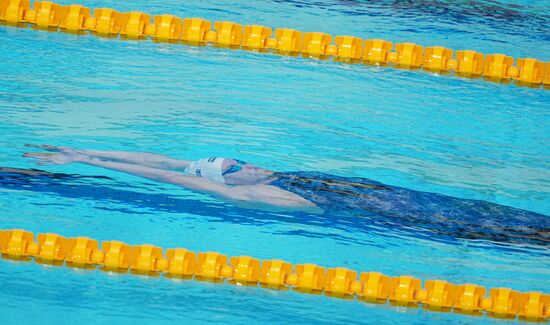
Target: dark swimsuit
[367, 198]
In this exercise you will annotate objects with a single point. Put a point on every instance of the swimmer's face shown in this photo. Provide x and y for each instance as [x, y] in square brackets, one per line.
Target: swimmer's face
[238, 172]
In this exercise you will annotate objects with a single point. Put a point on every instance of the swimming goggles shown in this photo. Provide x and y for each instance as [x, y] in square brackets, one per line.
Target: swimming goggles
[234, 168]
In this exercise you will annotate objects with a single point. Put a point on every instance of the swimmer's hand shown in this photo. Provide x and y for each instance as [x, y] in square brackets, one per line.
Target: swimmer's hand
[47, 147]
[57, 158]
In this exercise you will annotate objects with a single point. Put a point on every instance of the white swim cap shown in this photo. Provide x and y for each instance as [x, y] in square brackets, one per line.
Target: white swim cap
[209, 168]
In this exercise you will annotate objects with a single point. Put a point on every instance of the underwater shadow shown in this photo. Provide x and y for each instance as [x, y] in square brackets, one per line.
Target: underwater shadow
[360, 218]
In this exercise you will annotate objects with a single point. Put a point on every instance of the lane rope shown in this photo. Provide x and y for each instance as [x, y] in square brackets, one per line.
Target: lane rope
[406, 291]
[106, 21]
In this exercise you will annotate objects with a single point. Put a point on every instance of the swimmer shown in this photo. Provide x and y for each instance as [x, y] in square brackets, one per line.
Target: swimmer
[259, 188]
[229, 179]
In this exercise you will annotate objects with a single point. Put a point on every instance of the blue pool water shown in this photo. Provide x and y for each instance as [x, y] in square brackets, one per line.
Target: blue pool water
[465, 138]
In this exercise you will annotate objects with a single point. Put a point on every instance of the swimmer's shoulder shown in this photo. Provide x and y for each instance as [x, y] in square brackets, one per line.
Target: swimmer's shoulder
[274, 196]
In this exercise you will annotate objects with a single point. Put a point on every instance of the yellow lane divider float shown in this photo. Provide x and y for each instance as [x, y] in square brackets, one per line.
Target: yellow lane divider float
[338, 282]
[106, 21]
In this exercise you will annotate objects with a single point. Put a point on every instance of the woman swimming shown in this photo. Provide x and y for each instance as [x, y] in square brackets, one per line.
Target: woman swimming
[237, 181]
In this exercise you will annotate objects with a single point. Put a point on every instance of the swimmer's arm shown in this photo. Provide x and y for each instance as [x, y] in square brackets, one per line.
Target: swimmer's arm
[131, 157]
[258, 194]
[161, 175]
[139, 158]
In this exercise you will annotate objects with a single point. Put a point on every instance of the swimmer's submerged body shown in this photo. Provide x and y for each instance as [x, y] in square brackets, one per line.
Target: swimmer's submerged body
[259, 188]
